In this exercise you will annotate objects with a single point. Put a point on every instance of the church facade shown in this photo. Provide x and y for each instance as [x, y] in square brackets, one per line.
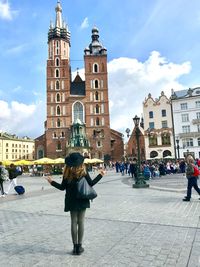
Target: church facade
[78, 116]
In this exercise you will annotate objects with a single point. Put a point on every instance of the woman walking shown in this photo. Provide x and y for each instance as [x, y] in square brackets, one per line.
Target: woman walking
[74, 171]
[192, 173]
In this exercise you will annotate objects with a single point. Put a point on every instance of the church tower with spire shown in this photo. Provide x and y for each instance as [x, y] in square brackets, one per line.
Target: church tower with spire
[58, 86]
[77, 111]
[97, 105]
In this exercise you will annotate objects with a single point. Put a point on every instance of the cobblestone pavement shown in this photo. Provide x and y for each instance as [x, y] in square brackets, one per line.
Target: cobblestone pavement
[124, 226]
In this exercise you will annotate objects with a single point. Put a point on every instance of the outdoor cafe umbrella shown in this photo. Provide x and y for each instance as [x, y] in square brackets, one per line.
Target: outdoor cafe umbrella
[59, 161]
[23, 162]
[43, 161]
[94, 160]
[7, 162]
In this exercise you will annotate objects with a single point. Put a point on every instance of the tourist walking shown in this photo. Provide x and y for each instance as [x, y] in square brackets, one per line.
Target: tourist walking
[73, 172]
[12, 172]
[192, 173]
[2, 179]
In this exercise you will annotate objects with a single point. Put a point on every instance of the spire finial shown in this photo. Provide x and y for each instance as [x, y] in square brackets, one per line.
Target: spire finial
[77, 69]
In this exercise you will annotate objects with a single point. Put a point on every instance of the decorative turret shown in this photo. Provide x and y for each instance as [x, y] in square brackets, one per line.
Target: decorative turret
[60, 30]
[95, 47]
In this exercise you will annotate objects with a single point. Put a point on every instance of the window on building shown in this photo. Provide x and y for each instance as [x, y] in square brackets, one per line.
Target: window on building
[197, 104]
[164, 124]
[187, 142]
[153, 140]
[150, 114]
[198, 128]
[57, 73]
[102, 67]
[7, 144]
[57, 62]
[186, 129]
[58, 110]
[96, 96]
[54, 135]
[164, 113]
[57, 85]
[59, 147]
[184, 106]
[96, 84]
[58, 123]
[97, 121]
[151, 125]
[57, 97]
[165, 137]
[198, 140]
[62, 134]
[78, 111]
[97, 109]
[98, 143]
[95, 67]
[185, 117]
[198, 115]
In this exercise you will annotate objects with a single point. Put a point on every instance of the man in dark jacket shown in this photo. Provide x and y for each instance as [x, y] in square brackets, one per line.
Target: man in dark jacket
[13, 177]
[133, 168]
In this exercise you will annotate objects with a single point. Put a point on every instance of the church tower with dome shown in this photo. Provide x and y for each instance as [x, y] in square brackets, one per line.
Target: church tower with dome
[78, 116]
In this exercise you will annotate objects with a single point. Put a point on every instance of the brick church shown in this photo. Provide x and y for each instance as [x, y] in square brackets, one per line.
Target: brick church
[78, 116]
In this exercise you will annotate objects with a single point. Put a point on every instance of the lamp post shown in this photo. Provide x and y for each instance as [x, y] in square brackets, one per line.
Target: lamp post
[140, 180]
[178, 147]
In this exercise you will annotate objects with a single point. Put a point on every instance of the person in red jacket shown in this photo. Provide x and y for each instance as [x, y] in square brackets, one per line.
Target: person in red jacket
[192, 173]
[75, 170]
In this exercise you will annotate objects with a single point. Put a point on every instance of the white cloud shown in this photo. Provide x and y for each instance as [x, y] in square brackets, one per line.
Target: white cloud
[130, 81]
[5, 11]
[22, 119]
[15, 50]
[85, 23]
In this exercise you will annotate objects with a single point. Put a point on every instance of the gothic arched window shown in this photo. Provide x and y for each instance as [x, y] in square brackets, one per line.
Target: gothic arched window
[58, 123]
[96, 84]
[95, 68]
[57, 73]
[57, 97]
[97, 121]
[96, 96]
[78, 112]
[97, 109]
[57, 85]
[58, 110]
[57, 62]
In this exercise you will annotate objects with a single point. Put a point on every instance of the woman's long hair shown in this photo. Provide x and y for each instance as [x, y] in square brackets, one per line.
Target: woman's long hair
[74, 172]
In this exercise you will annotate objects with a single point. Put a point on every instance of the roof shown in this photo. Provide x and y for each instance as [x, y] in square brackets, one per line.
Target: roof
[77, 86]
[191, 92]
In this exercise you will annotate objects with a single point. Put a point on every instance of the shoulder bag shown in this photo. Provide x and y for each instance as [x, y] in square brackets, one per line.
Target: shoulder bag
[84, 190]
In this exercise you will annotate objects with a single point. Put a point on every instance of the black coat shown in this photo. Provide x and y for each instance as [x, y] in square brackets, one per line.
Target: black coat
[71, 202]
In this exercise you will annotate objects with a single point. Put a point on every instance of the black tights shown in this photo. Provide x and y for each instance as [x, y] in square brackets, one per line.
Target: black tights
[77, 226]
[1, 187]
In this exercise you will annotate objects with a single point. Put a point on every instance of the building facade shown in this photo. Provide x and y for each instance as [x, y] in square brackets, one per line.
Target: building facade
[158, 127]
[14, 148]
[186, 117]
[71, 102]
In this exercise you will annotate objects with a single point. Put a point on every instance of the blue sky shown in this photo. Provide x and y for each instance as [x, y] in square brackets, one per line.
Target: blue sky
[152, 46]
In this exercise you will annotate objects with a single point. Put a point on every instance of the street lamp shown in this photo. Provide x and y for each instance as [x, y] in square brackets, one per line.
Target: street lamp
[178, 147]
[140, 180]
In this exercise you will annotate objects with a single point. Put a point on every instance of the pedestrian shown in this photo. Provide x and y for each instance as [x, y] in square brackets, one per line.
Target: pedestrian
[133, 168]
[75, 170]
[192, 173]
[12, 172]
[2, 179]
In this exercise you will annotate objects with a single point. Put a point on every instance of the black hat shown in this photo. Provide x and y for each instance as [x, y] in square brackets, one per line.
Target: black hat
[74, 159]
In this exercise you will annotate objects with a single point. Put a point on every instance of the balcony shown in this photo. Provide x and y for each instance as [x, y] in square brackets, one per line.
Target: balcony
[189, 135]
[196, 121]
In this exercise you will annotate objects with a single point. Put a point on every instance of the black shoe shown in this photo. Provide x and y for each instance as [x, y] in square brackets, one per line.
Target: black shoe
[74, 251]
[80, 249]
[186, 199]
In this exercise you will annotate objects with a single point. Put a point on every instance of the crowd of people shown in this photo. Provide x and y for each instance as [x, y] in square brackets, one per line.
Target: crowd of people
[152, 169]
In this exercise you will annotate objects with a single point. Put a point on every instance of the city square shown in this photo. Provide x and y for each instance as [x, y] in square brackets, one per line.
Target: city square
[124, 226]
